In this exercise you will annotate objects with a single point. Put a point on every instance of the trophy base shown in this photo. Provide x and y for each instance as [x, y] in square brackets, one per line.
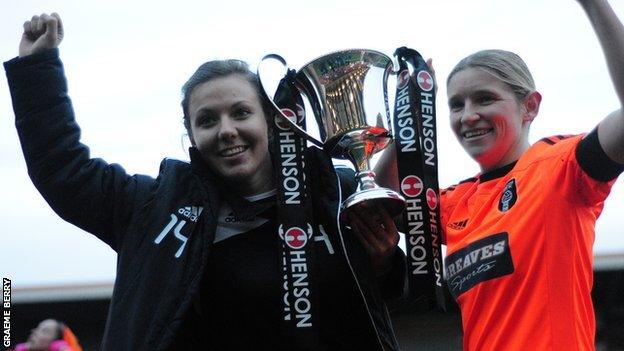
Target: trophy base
[386, 198]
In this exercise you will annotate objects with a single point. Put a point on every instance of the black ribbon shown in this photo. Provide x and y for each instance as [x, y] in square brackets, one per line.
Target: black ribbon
[417, 162]
[295, 224]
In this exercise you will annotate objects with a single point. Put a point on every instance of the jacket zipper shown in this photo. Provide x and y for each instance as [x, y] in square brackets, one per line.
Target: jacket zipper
[344, 249]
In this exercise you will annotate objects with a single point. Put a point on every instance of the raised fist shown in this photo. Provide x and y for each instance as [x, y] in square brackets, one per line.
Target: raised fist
[41, 33]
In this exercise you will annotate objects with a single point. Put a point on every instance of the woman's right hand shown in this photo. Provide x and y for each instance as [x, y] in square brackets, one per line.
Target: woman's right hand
[41, 33]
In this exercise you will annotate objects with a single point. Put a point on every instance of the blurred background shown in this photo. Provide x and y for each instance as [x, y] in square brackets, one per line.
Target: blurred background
[126, 62]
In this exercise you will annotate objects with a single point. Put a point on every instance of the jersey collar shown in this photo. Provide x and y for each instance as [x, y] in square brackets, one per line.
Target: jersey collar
[497, 173]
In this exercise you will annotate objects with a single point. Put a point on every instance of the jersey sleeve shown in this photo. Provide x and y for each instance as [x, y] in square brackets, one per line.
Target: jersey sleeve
[586, 174]
[594, 161]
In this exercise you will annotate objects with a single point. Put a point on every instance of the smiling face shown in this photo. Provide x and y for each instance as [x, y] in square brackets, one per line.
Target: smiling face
[229, 128]
[490, 124]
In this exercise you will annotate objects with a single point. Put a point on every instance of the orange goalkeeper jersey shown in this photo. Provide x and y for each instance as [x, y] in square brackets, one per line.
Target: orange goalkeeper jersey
[519, 247]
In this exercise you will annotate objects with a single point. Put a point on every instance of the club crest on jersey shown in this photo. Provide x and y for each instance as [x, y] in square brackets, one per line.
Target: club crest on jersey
[508, 197]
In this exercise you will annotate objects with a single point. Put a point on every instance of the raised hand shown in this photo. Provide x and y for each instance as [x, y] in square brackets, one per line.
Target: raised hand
[610, 32]
[41, 33]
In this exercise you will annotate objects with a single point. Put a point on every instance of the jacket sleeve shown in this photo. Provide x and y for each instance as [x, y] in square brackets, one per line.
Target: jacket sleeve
[393, 285]
[88, 192]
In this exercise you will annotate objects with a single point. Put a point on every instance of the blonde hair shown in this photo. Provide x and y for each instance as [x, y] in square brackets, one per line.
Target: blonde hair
[506, 66]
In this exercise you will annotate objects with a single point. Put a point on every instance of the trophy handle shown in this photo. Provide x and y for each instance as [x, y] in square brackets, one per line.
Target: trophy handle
[395, 68]
[292, 125]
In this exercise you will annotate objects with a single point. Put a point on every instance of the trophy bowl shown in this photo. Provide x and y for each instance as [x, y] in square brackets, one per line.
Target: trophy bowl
[347, 91]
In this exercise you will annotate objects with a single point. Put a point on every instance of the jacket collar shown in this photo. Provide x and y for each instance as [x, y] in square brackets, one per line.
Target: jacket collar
[239, 204]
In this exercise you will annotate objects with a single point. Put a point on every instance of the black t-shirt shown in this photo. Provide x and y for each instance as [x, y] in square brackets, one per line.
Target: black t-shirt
[240, 306]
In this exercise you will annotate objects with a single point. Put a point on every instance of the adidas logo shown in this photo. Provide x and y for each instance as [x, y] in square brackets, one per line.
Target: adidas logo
[232, 218]
[458, 225]
[191, 212]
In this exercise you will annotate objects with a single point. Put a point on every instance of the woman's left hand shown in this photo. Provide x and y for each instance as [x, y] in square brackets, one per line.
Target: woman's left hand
[378, 234]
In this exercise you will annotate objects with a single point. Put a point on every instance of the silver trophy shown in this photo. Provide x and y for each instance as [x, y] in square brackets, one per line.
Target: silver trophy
[348, 94]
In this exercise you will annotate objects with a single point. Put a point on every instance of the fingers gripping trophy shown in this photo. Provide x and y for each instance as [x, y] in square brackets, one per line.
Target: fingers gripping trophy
[347, 91]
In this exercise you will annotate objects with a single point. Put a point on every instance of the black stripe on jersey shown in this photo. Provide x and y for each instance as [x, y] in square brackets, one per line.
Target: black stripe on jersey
[452, 187]
[469, 180]
[556, 138]
[561, 137]
[594, 161]
[497, 173]
[548, 141]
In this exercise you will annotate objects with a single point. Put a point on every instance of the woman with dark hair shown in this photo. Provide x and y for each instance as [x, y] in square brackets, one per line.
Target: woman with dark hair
[50, 335]
[198, 251]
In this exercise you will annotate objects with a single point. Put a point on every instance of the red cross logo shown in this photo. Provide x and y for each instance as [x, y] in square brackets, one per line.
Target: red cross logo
[403, 79]
[296, 238]
[432, 199]
[425, 81]
[411, 186]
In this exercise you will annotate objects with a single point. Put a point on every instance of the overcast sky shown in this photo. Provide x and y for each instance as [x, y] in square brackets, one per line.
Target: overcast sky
[126, 61]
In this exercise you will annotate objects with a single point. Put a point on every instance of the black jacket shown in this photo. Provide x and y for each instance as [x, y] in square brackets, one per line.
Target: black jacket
[154, 225]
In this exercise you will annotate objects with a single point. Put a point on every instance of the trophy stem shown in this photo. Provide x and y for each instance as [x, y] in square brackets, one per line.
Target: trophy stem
[368, 191]
[356, 153]
[372, 194]
[365, 180]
